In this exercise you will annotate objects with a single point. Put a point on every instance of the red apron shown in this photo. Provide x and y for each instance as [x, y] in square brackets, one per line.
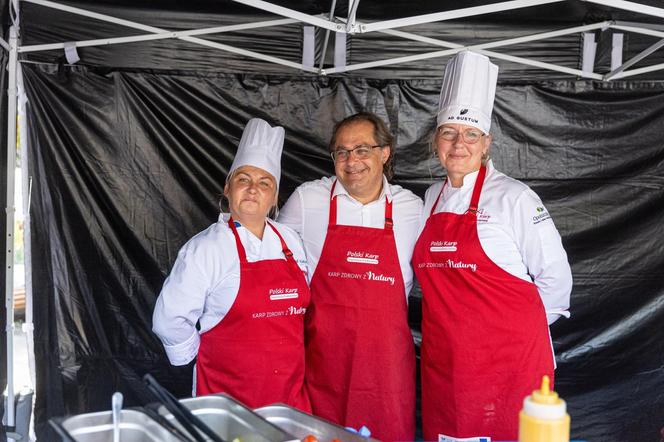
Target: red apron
[485, 338]
[256, 353]
[360, 351]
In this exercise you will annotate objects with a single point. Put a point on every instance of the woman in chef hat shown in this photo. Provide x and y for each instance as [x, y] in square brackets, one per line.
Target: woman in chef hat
[492, 269]
[243, 279]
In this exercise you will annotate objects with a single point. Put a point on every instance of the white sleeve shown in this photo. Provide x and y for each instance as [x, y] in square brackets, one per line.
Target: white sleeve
[543, 254]
[291, 212]
[180, 305]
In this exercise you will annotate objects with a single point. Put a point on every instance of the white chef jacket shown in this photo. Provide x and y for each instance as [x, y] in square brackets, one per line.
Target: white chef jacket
[516, 232]
[205, 280]
[307, 212]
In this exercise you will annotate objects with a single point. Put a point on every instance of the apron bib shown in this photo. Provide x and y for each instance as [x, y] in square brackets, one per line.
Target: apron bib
[485, 338]
[360, 351]
[256, 353]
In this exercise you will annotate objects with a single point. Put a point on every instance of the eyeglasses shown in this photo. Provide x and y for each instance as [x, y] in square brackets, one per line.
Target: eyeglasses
[469, 136]
[362, 152]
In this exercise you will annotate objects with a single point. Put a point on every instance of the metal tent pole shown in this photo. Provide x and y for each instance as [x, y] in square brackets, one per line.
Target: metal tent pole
[327, 37]
[631, 6]
[643, 54]
[190, 39]
[158, 36]
[9, 211]
[22, 125]
[451, 15]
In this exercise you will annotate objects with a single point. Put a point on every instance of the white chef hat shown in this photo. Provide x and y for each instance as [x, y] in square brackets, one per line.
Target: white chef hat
[469, 87]
[260, 146]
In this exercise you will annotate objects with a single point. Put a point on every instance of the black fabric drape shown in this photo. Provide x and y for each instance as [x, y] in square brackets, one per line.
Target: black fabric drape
[128, 165]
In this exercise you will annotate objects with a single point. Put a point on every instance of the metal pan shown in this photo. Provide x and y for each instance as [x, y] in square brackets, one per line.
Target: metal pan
[301, 424]
[135, 426]
[231, 420]
[194, 427]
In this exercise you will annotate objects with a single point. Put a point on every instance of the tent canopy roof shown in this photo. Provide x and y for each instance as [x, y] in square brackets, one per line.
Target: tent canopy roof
[550, 46]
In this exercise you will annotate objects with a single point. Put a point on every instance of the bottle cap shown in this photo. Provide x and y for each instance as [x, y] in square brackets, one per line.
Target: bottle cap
[544, 403]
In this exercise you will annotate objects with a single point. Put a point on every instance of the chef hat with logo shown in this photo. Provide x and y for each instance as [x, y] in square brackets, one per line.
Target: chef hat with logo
[469, 87]
[260, 146]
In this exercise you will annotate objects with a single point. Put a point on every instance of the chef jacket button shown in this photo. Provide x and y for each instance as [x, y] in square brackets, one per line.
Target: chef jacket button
[276, 371]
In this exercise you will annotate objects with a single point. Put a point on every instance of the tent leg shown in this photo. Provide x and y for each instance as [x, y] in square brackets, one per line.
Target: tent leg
[22, 406]
[9, 213]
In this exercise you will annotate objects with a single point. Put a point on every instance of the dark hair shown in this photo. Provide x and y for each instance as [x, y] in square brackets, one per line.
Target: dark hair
[381, 134]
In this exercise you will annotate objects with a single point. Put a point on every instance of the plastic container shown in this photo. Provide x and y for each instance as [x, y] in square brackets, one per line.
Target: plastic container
[544, 416]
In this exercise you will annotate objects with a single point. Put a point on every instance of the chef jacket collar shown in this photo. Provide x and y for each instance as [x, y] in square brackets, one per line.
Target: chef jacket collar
[224, 217]
[469, 179]
[385, 191]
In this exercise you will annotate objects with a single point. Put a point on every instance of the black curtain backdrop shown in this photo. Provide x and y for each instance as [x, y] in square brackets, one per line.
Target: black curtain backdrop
[129, 165]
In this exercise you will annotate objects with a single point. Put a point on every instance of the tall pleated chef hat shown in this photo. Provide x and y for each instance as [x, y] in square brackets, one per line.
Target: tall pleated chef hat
[469, 88]
[260, 146]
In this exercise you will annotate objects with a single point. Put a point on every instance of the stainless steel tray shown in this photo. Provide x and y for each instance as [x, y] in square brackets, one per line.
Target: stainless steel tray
[301, 425]
[135, 426]
[230, 419]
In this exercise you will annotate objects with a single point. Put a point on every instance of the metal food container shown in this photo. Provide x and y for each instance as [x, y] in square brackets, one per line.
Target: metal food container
[135, 426]
[230, 419]
[301, 424]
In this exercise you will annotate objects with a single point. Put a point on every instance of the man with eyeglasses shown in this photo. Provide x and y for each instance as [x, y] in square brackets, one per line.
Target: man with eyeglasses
[359, 232]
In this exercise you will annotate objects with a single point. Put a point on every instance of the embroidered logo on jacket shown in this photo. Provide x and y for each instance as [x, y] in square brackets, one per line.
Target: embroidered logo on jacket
[542, 215]
[482, 216]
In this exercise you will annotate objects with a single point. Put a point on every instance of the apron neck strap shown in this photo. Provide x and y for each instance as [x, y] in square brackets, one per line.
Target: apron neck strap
[332, 220]
[440, 194]
[475, 199]
[389, 222]
[240, 248]
[238, 243]
[284, 248]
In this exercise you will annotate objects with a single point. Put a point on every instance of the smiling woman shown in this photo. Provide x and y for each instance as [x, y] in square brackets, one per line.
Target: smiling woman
[243, 280]
[480, 241]
[462, 149]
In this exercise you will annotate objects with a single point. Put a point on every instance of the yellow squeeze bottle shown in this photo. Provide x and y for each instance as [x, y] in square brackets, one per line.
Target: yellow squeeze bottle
[544, 416]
